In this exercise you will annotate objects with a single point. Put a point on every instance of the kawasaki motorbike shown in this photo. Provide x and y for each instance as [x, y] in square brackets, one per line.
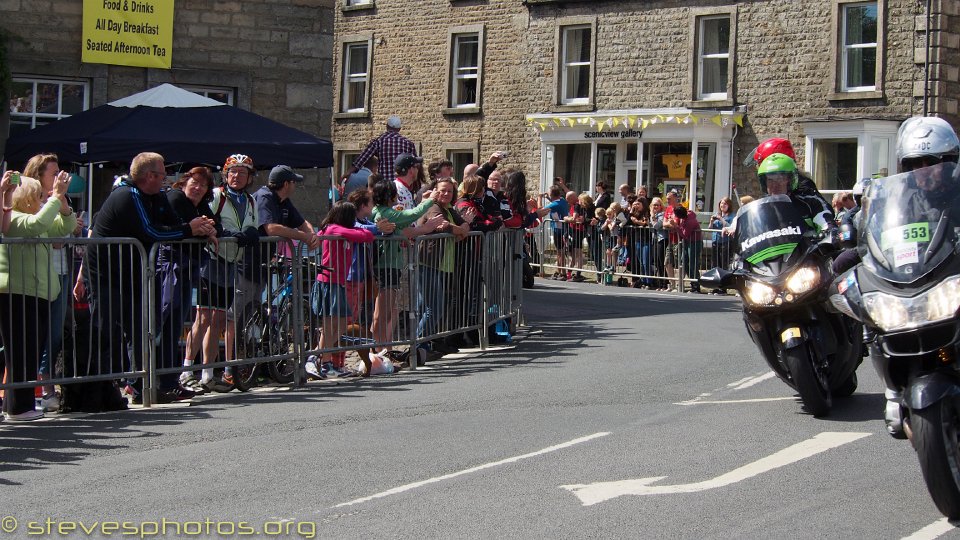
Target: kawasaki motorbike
[906, 291]
[783, 275]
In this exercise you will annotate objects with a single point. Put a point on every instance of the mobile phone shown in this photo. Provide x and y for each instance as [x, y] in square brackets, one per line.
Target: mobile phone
[504, 155]
[14, 179]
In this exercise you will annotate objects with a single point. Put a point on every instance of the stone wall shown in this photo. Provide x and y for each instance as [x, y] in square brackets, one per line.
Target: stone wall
[275, 54]
[783, 73]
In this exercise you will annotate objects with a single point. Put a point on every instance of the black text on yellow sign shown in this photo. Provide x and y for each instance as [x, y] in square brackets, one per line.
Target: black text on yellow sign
[128, 32]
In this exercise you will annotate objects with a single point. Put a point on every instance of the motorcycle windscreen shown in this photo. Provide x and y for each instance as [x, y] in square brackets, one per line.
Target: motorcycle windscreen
[769, 228]
[908, 222]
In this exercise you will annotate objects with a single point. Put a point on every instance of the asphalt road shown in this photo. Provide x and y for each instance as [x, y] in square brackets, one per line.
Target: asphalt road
[618, 414]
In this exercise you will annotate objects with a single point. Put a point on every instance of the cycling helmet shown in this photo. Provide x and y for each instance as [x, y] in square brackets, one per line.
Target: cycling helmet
[926, 137]
[778, 164]
[238, 160]
[772, 146]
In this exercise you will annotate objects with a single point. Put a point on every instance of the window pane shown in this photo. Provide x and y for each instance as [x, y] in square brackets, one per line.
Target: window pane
[578, 82]
[72, 98]
[716, 36]
[467, 52]
[460, 160]
[861, 24]
[861, 67]
[47, 97]
[21, 97]
[358, 59]
[355, 93]
[714, 76]
[577, 47]
[466, 91]
[835, 163]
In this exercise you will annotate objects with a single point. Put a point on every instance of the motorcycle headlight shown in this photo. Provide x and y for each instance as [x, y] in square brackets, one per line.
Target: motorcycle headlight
[760, 294]
[896, 313]
[889, 312]
[944, 299]
[803, 279]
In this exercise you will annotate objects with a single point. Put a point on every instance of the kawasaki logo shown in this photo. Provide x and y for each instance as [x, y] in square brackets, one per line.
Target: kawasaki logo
[786, 231]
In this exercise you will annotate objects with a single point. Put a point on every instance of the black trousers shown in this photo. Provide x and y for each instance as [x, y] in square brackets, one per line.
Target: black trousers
[24, 321]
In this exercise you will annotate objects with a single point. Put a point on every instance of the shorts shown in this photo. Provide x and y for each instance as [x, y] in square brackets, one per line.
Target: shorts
[246, 295]
[329, 300]
[559, 239]
[388, 278]
[213, 296]
[575, 240]
[673, 255]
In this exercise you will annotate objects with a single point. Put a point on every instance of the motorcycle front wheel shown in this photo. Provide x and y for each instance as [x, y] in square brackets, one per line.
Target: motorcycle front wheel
[809, 379]
[935, 437]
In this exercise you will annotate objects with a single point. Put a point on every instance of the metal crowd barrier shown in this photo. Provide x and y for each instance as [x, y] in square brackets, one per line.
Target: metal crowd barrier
[257, 310]
[650, 258]
[111, 300]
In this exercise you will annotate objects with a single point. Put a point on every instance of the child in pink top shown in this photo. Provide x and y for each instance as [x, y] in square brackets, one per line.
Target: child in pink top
[329, 295]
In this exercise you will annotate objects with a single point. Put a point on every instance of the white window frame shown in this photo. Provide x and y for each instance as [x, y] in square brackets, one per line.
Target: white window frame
[348, 78]
[19, 116]
[701, 56]
[460, 73]
[871, 135]
[566, 67]
[205, 91]
[846, 49]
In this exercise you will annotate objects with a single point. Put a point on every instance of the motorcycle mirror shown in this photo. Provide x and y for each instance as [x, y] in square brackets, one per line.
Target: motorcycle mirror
[716, 278]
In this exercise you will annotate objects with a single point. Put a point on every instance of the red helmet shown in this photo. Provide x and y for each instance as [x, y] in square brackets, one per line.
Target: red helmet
[773, 146]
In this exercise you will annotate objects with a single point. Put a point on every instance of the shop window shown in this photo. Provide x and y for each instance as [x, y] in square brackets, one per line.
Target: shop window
[223, 95]
[572, 163]
[577, 43]
[355, 92]
[36, 102]
[465, 74]
[713, 57]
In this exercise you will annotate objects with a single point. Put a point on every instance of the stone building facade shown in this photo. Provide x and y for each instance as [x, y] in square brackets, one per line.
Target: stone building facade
[267, 56]
[663, 93]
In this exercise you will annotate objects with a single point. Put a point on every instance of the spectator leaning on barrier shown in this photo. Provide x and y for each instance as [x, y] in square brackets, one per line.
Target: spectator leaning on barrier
[557, 209]
[237, 214]
[672, 259]
[179, 273]
[328, 299]
[691, 245]
[28, 284]
[136, 208]
[390, 260]
[722, 244]
[387, 147]
[658, 248]
[436, 267]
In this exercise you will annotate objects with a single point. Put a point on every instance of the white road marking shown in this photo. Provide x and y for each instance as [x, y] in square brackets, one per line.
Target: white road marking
[697, 401]
[414, 485]
[934, 530]
[590, 494]
[754, 380]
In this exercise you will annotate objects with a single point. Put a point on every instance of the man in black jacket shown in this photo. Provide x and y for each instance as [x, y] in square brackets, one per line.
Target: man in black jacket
[115, 273]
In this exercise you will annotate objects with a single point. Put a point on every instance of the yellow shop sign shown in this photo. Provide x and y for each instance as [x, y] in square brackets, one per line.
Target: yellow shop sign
[128, 32]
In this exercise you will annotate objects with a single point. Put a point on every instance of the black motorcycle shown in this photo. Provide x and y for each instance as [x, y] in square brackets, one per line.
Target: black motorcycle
[906, 291]
[783, 275]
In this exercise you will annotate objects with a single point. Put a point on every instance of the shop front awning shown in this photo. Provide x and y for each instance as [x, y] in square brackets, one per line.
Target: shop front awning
[632, 119]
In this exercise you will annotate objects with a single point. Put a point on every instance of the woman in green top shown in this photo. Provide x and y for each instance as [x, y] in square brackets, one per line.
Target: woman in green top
[28, 283]
[390, 260]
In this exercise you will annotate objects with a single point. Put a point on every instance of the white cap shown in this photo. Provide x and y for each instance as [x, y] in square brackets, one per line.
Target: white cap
[393, 122]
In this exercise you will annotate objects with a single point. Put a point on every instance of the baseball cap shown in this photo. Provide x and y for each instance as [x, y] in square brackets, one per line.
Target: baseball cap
[393, 122]
[283, 173]
[405, 161]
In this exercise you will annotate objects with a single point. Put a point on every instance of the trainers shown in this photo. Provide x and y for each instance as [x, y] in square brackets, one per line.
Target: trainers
[578, 278]
[176, 394]
[217, 385]
[313, 373]
[193, 385]
[228, 379]
[50, 402]
[329, 370]
[28, 416]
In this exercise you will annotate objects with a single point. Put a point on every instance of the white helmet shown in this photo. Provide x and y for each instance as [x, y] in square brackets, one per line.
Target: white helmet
[928, 136]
